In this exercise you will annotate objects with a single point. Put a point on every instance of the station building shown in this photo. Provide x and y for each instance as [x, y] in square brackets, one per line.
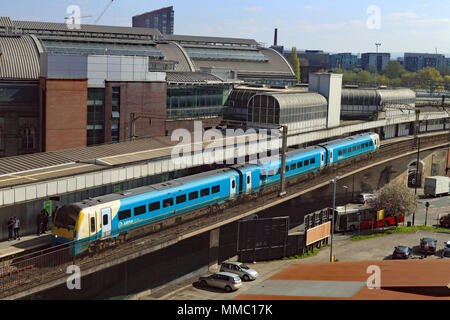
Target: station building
[69, 88]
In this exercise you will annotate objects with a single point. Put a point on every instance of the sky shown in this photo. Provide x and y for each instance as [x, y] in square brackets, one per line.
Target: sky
[333, 26]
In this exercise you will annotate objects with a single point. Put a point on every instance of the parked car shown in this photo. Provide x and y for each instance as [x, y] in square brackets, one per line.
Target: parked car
[401, 252]
[444, 221]
[366, 198]
[428, 245]
[240, 269]
[446, 251]
[223, 280]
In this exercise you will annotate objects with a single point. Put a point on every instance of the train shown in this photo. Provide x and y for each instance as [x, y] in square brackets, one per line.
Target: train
[106, 217]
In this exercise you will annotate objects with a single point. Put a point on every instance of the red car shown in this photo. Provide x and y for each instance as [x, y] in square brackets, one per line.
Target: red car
[445, 221]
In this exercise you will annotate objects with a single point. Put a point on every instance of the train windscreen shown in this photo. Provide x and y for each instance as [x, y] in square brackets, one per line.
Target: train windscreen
[66, 216]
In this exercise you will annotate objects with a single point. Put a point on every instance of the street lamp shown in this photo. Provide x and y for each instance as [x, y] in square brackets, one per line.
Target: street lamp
[427, 204]
[376, 65]
[334, 181]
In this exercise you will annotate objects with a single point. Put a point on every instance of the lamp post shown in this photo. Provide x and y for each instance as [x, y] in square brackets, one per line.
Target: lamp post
[345, 204]
[334, 181]
[427, 204]
[376, 64]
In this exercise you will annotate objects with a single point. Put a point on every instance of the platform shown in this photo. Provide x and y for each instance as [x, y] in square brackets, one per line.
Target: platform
[25, 244]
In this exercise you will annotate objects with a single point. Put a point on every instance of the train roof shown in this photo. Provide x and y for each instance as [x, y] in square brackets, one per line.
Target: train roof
[347, 139]
[153, 187]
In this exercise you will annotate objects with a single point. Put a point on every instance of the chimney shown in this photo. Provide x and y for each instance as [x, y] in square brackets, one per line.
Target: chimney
[275, 39]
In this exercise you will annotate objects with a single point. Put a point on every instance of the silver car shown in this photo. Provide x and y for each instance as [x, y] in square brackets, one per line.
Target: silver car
[223, 280]
[240, 269]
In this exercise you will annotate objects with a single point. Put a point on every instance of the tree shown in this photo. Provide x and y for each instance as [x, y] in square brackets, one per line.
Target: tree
[382, 80]
[364, 77]
[429, 74]
[295, 63]
[394, 70]
[402, 199]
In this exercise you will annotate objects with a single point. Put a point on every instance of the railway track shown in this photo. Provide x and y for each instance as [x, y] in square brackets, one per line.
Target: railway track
[49, 266]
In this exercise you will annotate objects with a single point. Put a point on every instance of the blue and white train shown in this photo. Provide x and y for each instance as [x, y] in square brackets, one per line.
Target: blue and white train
[108, 216]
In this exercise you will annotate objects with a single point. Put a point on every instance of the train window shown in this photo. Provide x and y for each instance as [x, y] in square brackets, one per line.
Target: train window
[154, 206]
[181, 199]
[139, 210]
[339, 152]
[345, 151]
[370, 143]
[93, 224]
[299, 164]
[167, 202]
[293, 166]
[193, 195]
[287, 169]
[322, 156]
[354, 148]
[125, 214]
[248, 179]
[306, 163]
[204, 192]
[313, 161]
[233, 184]
[358, 147]
[349, 150]
[105, 220]
[215, 189]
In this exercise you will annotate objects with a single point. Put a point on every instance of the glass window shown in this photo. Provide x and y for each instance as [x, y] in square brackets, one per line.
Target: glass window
[105, 220]
[215, 189]
[293, 166]
[358, 147]
[139, 210]
[204, 192]
[354, 148]
[125, 214]
[306, 163]
[286, 169]
[339, 152]
[28, 136]
[313, 161]
[181, 198]
[154, 206]
[233, 184]
[167, 202]
[193, 195]
[299, 164]
[93, 224]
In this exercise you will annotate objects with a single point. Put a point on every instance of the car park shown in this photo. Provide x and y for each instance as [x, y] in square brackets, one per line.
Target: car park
[222, 280]
[240, 269]
[401, 252]
[428, 245]
[444, 221]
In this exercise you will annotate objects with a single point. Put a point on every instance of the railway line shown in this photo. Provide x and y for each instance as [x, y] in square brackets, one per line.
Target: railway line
[47, 268]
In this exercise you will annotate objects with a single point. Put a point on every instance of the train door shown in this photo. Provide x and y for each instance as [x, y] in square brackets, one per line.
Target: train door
[92, 225]
[322, 159]
[232, 187]
[248, 182]
[331, 156]
[106, 222]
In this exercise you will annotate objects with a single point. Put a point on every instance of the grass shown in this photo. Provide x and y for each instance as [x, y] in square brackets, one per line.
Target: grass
[398, 230]
[306, 255]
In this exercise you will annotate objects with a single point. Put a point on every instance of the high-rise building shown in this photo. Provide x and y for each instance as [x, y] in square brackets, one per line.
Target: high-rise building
[343, 60]
[417, 61]
[373, 61]
[161, 19]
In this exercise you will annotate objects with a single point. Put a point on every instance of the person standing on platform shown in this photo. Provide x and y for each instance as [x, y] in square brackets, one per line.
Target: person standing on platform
[39, 223]
[44, 220]
[10, 228]
[16, 228]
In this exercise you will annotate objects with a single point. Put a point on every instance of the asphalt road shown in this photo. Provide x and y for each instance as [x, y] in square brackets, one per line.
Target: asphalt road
[345, 250]
[438, 206]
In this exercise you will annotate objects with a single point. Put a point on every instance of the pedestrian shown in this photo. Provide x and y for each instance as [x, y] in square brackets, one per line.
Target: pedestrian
[16, 228]
[39, 223]
[44, 220]
[10, 228]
